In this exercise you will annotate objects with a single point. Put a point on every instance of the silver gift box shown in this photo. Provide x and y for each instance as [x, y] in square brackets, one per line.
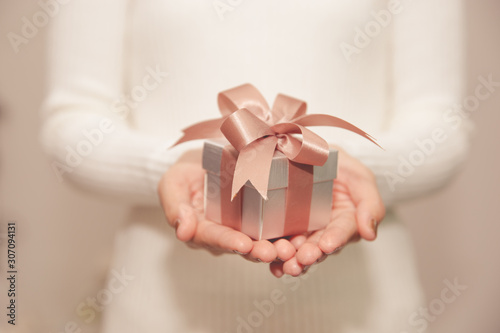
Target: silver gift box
[265, 219]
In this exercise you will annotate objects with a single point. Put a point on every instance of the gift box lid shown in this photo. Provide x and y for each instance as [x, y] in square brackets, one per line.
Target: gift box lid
[278, 175]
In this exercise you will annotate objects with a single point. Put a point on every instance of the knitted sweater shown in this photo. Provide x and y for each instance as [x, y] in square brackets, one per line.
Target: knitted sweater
[126, 76]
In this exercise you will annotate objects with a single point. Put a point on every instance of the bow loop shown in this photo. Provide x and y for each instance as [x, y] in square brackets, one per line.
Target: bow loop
[286, 108]
[243, 127]
[245, 96]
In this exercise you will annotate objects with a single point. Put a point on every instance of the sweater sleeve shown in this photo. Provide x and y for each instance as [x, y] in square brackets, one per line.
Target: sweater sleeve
[88, 141]
[426, 138]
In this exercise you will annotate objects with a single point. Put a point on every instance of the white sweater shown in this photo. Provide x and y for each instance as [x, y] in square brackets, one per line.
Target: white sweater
[150, 68]
[126, 76]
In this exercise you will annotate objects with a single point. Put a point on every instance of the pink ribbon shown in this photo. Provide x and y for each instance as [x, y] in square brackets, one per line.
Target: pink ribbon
[256, 131]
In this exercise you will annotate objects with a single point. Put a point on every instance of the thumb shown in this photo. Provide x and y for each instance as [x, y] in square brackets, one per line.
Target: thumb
[370, 209]
[175, 194]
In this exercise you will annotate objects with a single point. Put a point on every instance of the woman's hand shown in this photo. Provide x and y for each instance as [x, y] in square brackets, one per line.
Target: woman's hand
[356, 212]
[181, 196]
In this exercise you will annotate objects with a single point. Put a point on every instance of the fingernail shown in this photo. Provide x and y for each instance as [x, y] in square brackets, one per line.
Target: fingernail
[374, 226]
[337, 249]
[304, 270]
[321, 259]
[238, 252]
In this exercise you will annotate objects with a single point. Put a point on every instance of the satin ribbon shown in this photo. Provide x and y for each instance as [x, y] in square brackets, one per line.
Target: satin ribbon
[256, 131]
[231, 207]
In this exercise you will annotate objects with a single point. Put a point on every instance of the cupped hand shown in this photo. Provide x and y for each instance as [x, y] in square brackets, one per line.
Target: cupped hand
[357, 210]
[181, 196]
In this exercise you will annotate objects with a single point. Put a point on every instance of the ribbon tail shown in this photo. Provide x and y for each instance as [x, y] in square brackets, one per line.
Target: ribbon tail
[242, 127]
[253, 164]
[203, 130]
[327, 120]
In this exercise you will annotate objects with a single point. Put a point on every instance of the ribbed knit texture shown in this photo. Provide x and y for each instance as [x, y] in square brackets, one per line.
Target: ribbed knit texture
[169, 59]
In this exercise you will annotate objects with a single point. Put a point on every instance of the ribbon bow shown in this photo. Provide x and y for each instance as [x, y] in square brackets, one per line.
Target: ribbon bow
[256, 131]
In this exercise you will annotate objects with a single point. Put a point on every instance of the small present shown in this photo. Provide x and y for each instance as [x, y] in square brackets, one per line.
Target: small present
[273, 177]
[306, 210]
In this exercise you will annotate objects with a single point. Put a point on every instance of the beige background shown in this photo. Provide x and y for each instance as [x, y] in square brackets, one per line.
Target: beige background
[65, 237]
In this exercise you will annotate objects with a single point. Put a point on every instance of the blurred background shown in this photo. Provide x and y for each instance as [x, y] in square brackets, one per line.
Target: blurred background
[65, 237]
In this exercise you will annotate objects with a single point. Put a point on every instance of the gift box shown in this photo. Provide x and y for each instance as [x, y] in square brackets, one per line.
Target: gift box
[257, 217]
[273, 177]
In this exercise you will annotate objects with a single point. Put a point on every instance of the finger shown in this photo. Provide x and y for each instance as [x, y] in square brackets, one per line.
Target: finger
[186, 223]
[310, 251]
[276, 268]
[173, 192]
[367, 224]
[264, 251]
[248, 257]
[308, 254]
[338, 233]
[285, 249]
[322, 258]
[369, 205]
[217, 236]
[298, 240]
[293, 267]
[304, 271]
